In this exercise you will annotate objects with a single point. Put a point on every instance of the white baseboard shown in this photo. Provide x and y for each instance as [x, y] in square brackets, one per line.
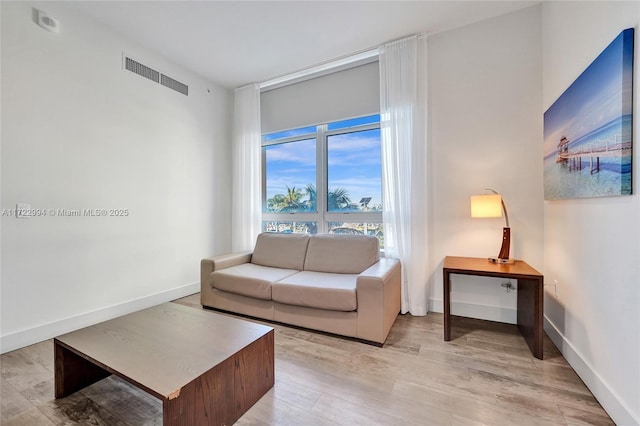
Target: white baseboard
[39, 333]
[473, 310]
[610, 401]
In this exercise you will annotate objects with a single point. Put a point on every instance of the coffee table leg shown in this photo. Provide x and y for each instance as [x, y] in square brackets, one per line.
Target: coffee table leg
[224, 393]
[73, 372]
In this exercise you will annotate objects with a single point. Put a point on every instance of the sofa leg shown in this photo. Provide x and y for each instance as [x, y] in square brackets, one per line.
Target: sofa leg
[369, 342]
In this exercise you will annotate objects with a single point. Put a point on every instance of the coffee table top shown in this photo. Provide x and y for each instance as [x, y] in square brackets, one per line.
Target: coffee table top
[164, 347]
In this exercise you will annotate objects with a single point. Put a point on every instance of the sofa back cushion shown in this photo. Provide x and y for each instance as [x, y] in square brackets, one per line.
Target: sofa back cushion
[286, 251]
[341, 254]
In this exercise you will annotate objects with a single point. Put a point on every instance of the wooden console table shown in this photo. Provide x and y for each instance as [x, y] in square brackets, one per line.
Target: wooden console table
[530, 293]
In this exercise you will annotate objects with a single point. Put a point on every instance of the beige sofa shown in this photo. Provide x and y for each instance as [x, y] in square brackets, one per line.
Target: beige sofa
[333, 283]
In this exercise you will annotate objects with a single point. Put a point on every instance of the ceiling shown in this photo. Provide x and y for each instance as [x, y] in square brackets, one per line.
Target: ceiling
[234, 43]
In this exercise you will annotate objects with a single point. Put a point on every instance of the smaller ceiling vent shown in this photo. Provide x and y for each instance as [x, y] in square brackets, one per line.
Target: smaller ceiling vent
[174, 84]
[153, 75]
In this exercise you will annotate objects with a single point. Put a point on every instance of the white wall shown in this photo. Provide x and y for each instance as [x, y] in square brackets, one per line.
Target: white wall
[486, 132]
[592, 246]
[79, 132]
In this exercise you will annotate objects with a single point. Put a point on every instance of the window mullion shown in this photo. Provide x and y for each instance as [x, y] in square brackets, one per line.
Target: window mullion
[354, 129]
[321, 172]
[264, 178]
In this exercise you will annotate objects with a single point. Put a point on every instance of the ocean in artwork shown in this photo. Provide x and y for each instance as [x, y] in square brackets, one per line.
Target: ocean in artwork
[577, 178]
[588, 134]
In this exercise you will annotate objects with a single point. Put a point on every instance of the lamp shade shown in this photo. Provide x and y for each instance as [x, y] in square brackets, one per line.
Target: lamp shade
[489, 205]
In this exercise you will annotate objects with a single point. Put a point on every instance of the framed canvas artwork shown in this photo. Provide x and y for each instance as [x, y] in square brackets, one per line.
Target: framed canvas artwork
[588, 131]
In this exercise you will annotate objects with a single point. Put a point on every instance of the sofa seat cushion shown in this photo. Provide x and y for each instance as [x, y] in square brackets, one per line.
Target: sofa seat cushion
[249, 280]
[335, 292]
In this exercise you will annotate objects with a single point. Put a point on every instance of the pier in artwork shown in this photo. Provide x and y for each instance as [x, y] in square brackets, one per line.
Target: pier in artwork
[601, 148]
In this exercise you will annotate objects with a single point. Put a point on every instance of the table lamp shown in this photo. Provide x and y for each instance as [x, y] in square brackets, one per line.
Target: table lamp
[492, 205]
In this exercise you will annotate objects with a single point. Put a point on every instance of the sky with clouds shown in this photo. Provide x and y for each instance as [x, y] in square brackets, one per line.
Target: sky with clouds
[353, 160]
[599, 95]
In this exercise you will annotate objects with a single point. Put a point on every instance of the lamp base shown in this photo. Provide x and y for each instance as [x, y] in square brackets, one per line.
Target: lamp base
[502, 261]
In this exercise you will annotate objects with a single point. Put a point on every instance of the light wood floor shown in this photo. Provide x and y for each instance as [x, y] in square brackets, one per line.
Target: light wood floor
[485, 375]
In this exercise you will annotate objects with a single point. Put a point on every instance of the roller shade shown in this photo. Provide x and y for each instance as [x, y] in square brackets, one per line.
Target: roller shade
[349, 93]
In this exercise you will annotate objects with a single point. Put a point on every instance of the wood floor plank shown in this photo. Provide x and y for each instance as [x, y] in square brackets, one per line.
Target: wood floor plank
[560, 376]
[511, 348]
[338, 367]
[579, 417]
[271, 410]
[31, 417]
[485, 376]
[296, 394]
[40, 392]
[488, 413]
[23, 373]
[462, 421]
[529, 393]
[343, 412]
[422, 395]
[418, 402]
[193, 301]
[125, 401]
[78, 409]
[323, 381]
[40, 353]
[12, 402]
[483, 354]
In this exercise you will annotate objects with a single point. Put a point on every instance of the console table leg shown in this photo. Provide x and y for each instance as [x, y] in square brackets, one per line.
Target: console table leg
[530, 301]
[447, 305]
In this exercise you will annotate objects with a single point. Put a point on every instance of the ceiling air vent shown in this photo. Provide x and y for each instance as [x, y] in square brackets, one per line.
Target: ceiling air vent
[174, 84]
[153, 75]
[143, 70]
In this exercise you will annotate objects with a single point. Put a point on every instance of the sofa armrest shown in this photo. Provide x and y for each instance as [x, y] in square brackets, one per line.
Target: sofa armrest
[378, 293]
[210, 264]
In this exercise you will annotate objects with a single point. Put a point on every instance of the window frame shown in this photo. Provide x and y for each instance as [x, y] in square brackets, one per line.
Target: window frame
[321, 216]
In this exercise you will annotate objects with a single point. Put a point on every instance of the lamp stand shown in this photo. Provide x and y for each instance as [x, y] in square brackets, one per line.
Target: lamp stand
[503, 257]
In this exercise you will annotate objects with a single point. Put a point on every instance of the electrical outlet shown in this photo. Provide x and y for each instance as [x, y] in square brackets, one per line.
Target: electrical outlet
[508, 286]
[555, 288]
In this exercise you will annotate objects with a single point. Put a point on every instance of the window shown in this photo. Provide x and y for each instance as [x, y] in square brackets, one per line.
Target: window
[290, 173]
[353, 171]
[324, 179]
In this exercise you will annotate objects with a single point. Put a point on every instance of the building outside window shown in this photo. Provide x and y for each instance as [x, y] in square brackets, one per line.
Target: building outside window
[324, 179]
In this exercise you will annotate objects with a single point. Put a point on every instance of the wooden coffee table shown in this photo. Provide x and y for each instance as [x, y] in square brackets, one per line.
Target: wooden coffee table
[208, 369]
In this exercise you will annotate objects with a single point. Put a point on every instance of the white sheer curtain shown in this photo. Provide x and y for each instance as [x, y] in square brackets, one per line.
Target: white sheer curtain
[246, 213]
[403, 124]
